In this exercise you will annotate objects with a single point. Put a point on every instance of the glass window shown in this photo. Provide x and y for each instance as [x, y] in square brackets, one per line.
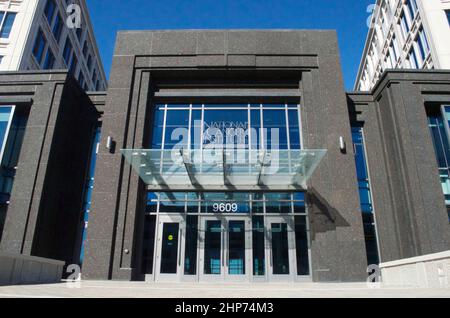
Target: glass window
[280, 250]
[196, 129]
[225, 127]
[49, 11]
[422, 43]
[177, 125]
[58, 27]
[258, 246]
[294, 130]
[437, 122]
[172, 202]
[73, 65]
[89, 185]
[236, 247]
[158, 128]
[275, 129]
[257, 203]
[81, 79]
[11, 143]
[222, 124]
[370, 239]
[85, 49]
[278, 202]
[404, 26]
[67, 52]
[5, 117]
[212, 248]
[89, 62]
[152, 203]
[169, 248]
[148, 244]
[361, 170]
[412, 8]
[230, 202]
[301, 245]
[79, 33]
[226, 202]
[365, 193]
[190, 259]
[49, 60]
[39, 46]
[7, 25]
[413, 62]
[255, 125]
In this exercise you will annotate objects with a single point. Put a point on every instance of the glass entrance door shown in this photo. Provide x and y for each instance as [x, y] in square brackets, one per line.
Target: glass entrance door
[169, 248]
[225, 253]
[280, 249]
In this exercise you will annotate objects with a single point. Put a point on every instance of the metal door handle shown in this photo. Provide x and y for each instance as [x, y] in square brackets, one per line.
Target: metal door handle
[179, 248]
[223, 248]
[271, 251]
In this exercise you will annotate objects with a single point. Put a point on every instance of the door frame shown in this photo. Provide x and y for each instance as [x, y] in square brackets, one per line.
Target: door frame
[161, 220]
[224, 275]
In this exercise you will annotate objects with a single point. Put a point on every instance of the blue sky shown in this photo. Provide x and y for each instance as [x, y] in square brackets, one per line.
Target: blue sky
[348, 17]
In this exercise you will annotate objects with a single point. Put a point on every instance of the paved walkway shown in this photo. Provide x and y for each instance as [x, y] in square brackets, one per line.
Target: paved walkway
[90, 289]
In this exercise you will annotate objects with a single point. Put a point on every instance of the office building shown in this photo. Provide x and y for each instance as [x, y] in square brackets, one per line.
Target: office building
[36, 35]
[228, 155]
[405, 34]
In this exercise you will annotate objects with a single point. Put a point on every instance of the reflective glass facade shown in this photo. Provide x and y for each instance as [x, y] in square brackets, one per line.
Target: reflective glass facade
[257, 126]
[89, 187]
[365, 196]
[438, 122]
[12, 130]
[226, 202]
[225, 235]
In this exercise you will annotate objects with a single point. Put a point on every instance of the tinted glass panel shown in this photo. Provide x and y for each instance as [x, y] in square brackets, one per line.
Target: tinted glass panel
[371, 239]
[301, 245]
[190, 259]
[275, 125]
[39, 46]
[236, 247]
[258, 239]
[57, 28]
[7, 25]
[149, 244]
[280, 251]
[213, 243]
[169, 248]
[5, 114]
[177, 125]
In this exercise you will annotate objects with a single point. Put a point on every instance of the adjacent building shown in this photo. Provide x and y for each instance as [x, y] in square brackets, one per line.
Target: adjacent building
[35, 35]
[226, 155]
[406, 34]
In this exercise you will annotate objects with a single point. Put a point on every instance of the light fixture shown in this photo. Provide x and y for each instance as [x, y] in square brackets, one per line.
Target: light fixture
[342, 144]
[109, 142]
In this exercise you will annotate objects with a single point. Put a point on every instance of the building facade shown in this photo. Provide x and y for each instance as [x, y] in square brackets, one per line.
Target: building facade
[47, 127]
[229, 155]
[407, 34]
[35, 35]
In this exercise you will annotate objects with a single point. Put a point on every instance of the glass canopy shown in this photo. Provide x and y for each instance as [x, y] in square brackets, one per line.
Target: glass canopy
[222, 167]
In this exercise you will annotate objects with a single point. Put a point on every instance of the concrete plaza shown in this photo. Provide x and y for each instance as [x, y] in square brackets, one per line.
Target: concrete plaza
[102, 289]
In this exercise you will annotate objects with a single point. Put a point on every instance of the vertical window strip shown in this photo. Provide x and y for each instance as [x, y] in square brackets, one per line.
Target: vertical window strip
[438, 125]
[7, 24]
[365, 195]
